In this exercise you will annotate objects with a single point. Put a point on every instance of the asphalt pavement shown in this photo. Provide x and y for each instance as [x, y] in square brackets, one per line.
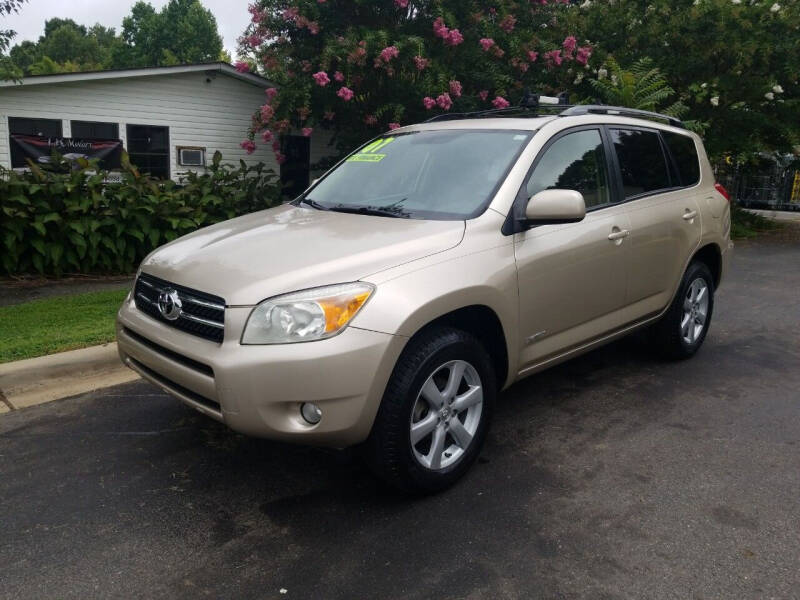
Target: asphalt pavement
[616, 475]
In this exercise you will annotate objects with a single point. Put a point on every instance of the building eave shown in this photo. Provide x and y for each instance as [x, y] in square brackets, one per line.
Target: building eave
[216, 67]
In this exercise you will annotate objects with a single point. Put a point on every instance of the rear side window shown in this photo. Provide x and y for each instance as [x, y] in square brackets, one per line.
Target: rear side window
[684, 152]
[641, 161]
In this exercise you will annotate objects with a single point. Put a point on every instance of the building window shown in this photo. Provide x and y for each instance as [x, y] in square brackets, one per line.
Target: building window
[295, 171]
[95, 130]
[148, 149]
[22, 126]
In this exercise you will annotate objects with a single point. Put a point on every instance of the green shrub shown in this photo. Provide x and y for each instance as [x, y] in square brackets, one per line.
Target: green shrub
[67, 218]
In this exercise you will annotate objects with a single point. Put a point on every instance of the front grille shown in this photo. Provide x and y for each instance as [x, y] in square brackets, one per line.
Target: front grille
[178, 358]
[200, 399]
[201, 314]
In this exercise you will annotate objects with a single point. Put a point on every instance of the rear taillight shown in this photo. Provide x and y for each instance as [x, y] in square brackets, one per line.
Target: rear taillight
[721, 189]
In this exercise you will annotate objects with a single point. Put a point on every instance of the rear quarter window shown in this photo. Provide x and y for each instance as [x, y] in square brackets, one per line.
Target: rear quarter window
[684, 152]
[641, 159]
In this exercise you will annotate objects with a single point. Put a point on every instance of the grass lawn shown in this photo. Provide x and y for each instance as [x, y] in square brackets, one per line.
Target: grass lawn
[56, 324]
[745, 224]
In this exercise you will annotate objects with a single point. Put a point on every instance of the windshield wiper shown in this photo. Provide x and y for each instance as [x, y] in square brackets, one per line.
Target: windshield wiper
[313, 204]
[396, 212]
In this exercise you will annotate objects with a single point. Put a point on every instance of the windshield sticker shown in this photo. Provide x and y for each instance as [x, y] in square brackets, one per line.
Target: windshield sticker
[366, 158]
[368, 153]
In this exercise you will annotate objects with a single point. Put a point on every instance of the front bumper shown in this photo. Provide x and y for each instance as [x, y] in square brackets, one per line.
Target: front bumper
[258, 390]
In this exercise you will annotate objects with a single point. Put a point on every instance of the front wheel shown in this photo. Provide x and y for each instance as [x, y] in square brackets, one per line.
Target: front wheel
[683, 328]
[435, 413]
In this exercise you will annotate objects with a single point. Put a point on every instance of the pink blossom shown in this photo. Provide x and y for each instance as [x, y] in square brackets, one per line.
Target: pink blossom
[454, 38]
[389, 53]
[280, 158]
[401, 3]
[305, 65]
[271, 93]
[321, 78]
[455, 88]
[444, 101]
[248, 146]
[486, 43]
[345, 93]
[329, 115]
[254, 40]
[553, 57]
[313, 27]
[569, 44]
[532, 56]
[519, 64]
[242, 66]
[338, 76]
[483, 94]
[584, 52]
[507, 24]
[439, 28]
[393, 126]
[428, 102]
[303, 112]
[290, 14]
[421, 63]
[276, 146]
[282, 126]
[256, 13]
[306, 131]
[371, 120]
[266, 136]
[500, 102]
[267, 112]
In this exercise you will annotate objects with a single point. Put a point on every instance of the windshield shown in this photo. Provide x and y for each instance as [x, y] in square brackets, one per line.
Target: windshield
[446, 174]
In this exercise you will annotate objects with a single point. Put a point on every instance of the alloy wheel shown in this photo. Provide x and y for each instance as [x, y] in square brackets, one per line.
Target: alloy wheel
[446, 415]
[695, 311]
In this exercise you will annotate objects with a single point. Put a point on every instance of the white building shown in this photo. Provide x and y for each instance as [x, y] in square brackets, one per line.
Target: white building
[156, 112]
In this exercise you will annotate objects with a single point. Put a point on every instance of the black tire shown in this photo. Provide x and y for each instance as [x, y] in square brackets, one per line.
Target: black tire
[388, 450]
[666, 336]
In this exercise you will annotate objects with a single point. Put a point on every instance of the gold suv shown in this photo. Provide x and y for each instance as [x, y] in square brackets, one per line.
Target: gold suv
[388, 305]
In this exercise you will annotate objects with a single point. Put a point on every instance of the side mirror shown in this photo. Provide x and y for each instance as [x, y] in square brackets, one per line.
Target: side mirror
[555, 206]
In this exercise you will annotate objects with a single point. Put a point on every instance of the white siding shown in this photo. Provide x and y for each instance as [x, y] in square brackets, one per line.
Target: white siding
[213, 114]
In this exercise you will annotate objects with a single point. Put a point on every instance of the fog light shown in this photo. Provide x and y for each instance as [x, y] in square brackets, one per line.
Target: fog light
[311, 413]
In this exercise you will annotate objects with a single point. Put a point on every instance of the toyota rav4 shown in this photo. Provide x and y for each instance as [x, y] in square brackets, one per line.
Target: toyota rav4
[390, 303]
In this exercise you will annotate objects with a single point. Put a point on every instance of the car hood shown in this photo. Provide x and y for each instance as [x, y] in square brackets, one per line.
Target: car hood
[288, 248]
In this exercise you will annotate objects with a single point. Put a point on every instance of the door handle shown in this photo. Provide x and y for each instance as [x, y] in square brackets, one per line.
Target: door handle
[689, 215]
[618, 235]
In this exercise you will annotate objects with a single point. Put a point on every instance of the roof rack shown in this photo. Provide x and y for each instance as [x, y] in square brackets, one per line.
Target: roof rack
[532, 105]
[602, 109]
[529, 106]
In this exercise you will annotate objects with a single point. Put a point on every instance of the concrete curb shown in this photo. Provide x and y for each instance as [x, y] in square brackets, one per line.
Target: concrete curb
[34, 381]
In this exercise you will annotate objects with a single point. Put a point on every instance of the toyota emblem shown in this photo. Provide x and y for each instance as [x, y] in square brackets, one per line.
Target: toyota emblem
[169, 304]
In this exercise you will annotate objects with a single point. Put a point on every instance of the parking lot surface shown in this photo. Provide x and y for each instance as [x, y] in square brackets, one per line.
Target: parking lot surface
[616, 475]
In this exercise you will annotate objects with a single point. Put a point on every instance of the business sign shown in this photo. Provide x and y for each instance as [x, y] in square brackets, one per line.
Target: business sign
[39, 149]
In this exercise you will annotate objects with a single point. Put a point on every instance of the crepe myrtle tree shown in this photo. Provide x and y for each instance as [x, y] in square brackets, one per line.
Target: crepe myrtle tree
[735, 64]
[361, 67]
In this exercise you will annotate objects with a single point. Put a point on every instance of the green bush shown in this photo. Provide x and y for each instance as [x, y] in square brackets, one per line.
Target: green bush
[68, 218]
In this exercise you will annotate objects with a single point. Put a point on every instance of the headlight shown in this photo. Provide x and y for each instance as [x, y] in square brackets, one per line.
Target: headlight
[313, 314]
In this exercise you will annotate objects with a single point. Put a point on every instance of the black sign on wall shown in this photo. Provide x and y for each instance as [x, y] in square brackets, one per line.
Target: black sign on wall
[40, 148]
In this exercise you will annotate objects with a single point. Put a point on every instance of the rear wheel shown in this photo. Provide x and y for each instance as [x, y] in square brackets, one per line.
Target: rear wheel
[435, 413]
[683, 328]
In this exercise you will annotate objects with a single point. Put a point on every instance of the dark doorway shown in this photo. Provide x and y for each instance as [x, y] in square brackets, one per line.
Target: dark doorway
[295, 171]
[148, 149]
